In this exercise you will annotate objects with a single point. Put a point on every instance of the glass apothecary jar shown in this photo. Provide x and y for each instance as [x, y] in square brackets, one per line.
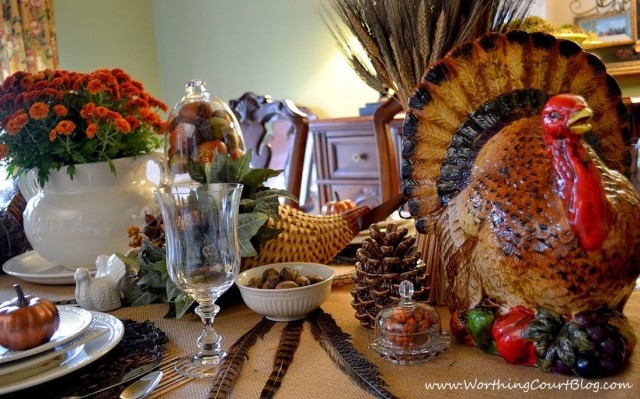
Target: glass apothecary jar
[199, 125]
[408, 332]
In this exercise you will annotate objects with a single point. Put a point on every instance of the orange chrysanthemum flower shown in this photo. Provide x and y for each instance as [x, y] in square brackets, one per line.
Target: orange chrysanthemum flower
[4, 150]
[92, 129]
[17, 122]
[60, 110]
[87, 111]
[95, 86]
[87, 103]
[133, 121]
[65, 127]
[39, 110]
[101, 112]
[122, 125]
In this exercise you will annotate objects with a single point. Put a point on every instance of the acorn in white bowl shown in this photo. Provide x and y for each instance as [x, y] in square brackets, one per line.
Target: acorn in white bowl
[285, 291]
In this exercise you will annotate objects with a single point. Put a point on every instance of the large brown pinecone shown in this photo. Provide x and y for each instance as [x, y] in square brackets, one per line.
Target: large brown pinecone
[383, 262]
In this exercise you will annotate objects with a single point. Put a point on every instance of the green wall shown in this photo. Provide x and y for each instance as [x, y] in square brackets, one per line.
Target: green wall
[275, 47]
[96, 34]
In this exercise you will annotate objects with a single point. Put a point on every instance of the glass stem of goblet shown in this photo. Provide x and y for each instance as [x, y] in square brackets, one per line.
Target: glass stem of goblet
[209, 340]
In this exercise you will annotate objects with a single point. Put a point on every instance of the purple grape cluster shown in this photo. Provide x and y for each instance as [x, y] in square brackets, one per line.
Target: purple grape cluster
[608, 354]
[588, 346]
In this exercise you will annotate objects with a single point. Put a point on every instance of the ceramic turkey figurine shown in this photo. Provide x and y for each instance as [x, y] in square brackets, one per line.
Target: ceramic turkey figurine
[525, 188]
[104, 291]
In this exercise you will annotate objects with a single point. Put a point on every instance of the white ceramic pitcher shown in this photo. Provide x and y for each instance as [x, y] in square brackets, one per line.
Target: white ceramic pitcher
[71, 222]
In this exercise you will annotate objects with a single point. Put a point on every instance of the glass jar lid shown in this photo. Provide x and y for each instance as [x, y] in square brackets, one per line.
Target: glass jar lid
[409, 331]
[199, 125]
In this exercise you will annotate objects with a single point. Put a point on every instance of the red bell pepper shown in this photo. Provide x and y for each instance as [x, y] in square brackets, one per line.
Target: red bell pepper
[507, 332]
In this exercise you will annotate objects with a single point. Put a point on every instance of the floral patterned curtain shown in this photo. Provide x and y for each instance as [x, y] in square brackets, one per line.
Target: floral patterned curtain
[27, 36]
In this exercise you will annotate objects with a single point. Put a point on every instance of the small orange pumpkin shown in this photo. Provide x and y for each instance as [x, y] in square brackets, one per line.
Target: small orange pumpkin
[338, 206]
[27, 321]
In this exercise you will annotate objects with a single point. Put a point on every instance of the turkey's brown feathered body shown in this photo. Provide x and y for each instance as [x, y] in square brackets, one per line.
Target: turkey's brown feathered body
[477, 172]
[506, 238]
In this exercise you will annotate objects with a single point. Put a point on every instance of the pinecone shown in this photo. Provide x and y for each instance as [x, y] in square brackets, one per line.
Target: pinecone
[383, 262]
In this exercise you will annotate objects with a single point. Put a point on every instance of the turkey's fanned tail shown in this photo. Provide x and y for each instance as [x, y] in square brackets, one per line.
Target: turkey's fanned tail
[448, 114]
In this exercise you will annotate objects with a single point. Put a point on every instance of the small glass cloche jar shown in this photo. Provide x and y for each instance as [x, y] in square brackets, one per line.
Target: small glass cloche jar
[199, 125]
[408, 332]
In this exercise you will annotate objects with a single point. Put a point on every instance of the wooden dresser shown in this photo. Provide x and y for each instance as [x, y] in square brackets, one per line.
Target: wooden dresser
[346, 158]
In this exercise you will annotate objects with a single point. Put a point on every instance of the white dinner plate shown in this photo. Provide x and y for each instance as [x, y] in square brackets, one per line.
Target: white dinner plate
[74, 359]
[32, 267]
[30, 362]
[73, 321]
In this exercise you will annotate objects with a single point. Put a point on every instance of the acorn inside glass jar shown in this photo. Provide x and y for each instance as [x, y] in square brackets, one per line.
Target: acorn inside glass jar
[199, 125]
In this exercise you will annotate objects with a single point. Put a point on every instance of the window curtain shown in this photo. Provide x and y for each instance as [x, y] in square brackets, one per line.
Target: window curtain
[27, 36]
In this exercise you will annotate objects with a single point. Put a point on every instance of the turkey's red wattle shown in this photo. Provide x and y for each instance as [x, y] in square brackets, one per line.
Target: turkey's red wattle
[580, 186]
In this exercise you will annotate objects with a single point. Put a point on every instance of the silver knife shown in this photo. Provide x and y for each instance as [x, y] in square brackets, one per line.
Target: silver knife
[130, 375]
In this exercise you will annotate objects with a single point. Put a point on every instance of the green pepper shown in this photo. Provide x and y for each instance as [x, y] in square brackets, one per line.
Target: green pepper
[480, 323]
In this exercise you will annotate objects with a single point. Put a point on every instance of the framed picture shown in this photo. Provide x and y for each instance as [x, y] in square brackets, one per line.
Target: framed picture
[614, 38]
[609, 29]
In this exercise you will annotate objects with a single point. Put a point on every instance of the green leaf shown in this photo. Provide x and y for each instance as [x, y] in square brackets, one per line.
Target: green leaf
[146, 298]
[183, 303]
[275, 193]
[161, 267]
[216, 169]
[256, 177]
[197, 172]
[172, 290]
[248, 226]
[240, 167]
[270, 208]
[263, 235]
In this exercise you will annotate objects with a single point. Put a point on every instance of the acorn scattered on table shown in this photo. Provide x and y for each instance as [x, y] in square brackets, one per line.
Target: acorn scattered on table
[27, 321]
[285, 278]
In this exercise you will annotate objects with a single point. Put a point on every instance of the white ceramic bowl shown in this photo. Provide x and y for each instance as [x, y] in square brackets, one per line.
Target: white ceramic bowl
[288, 303]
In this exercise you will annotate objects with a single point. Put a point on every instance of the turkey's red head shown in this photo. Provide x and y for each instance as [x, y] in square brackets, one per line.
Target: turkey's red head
[565, 116]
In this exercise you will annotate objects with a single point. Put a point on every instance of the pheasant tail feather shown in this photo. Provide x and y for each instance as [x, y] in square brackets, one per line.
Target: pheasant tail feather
[289, 341]
[336, 343]
[232, 364]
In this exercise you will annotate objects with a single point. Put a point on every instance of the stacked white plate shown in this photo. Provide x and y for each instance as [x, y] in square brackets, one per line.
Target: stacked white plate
[82, 338]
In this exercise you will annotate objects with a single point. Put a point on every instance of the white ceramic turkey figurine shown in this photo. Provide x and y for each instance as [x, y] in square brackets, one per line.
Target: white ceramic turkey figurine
[104, 291]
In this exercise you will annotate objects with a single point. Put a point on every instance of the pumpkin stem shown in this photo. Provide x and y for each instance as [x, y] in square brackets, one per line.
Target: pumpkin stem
[22, 301]
[336, 196]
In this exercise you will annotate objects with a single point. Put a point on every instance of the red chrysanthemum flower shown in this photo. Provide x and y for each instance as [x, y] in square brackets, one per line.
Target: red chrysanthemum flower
[39, 110]
[4, 150]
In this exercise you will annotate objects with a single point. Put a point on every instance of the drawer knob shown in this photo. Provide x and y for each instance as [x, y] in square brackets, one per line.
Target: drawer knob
[358, 157]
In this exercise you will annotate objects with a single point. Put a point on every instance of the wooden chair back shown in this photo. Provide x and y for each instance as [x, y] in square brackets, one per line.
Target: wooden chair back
[276, 131]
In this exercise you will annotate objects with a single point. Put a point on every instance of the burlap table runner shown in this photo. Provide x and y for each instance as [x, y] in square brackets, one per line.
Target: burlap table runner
[314, 375]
